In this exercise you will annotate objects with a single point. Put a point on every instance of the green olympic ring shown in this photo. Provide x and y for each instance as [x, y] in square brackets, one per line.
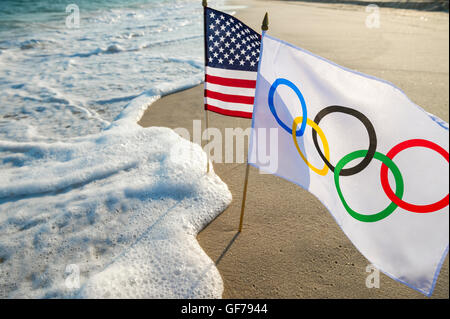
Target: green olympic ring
[398, 182]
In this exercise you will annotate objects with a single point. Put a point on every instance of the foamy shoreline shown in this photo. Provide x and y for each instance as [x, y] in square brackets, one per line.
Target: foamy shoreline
[112, 213]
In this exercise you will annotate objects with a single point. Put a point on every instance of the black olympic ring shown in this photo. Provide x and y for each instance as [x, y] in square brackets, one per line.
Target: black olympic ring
[369, 127]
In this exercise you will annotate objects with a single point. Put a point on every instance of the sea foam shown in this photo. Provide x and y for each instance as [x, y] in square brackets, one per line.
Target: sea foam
[91, 204]
[124, 206]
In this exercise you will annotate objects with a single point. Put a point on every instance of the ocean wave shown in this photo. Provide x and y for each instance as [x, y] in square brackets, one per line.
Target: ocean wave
[82, 183]
[34, 43]
[116, 48]
[134, 110]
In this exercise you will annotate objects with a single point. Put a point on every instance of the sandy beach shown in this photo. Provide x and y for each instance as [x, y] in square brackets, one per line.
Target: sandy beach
[291, 246]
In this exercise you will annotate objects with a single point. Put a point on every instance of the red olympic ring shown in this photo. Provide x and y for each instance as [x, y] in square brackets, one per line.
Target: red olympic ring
[385, 183]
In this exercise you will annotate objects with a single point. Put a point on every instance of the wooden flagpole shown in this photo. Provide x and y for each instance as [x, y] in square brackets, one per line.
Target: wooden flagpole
[244, 197]
[264, 28]
[207, 126]
[205, 4]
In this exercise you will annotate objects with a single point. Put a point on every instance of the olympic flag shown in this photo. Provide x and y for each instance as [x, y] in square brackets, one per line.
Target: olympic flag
[377, 161]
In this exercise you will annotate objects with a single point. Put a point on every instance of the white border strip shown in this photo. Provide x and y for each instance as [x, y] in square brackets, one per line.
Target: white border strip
[230, 106]
[241, 75]
[230, 90]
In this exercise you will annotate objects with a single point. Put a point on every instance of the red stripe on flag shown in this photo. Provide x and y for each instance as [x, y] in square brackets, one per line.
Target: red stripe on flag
[248, 84]
[229, 112]
[230, 98]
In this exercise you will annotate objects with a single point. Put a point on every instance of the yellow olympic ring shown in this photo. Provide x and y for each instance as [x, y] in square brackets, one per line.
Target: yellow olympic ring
[326, 148]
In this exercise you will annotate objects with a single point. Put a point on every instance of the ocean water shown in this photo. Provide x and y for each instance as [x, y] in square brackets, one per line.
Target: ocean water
[58, 81]
[92, 205]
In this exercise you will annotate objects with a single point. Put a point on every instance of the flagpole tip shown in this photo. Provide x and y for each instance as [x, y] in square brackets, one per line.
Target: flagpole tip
[205, 3]
[265, 24]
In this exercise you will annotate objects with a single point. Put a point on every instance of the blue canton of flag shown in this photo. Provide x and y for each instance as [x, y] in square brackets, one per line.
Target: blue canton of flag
[232, 56]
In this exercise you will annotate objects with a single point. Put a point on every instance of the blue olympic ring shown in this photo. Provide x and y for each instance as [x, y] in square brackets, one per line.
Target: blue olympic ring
[272, 90]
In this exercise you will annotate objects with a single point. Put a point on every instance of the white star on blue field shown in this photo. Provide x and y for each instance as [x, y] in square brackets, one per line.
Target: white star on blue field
[230, 43]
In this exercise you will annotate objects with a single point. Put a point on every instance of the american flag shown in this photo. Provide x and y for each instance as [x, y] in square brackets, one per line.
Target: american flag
[232, 56]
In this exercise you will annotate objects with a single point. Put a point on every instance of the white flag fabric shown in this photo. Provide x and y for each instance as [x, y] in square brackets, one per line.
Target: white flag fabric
[378, 162]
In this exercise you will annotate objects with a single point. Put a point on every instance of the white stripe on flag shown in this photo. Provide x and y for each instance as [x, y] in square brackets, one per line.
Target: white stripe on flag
[233, 74]
[229, 90]
[230, 106]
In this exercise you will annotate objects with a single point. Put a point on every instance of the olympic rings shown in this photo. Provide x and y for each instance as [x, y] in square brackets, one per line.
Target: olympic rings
[367, 155]
[315, 128]
[272, 90]
[369, 127]
[398, 181]
[385, 183]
